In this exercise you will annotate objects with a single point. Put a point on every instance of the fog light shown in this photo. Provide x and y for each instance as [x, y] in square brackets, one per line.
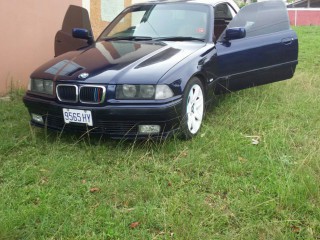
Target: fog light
[149, 129]
[37, 118]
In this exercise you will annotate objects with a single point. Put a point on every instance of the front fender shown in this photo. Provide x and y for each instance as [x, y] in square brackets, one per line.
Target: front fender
[198, 64]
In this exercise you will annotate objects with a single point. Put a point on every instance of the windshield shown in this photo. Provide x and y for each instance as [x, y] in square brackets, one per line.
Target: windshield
[160, 21]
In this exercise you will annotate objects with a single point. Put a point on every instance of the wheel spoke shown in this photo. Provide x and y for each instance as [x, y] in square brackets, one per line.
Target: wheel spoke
[191, 96]
[193, 122]
[198, 115]
[189, 108]
[198, 103]
[190, 122]
[196, 93]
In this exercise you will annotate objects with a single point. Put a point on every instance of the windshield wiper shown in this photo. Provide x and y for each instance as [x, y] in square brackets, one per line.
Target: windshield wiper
[143, 38]
[129, 38]
[179, 38]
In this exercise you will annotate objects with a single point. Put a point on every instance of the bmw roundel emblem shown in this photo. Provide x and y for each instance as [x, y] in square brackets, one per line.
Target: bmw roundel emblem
[83, 75]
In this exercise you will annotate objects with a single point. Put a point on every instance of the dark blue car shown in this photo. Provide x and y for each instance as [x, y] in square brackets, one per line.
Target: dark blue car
[156, 66]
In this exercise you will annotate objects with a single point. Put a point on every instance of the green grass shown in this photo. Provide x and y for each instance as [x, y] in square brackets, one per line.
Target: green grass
[217, 186]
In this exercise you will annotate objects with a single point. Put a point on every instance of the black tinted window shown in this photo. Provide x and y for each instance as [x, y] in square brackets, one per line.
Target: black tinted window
[222, 11]
[262, 18]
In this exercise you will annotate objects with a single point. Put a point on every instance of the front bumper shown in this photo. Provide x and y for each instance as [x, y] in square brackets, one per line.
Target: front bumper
[116, 121]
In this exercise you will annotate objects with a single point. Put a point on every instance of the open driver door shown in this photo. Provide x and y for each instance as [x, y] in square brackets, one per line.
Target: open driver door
[75, 17]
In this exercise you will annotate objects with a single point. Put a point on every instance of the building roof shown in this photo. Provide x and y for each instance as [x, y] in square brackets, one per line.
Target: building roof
[304, 4]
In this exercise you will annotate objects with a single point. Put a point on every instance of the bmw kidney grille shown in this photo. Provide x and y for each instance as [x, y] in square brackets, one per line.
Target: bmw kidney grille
[90, 94]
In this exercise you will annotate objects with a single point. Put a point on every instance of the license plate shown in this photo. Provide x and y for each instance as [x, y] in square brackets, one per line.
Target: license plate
[77, 116]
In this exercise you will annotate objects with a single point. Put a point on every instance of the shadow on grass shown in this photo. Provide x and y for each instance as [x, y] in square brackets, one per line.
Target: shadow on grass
[69, 138]
[72, 138]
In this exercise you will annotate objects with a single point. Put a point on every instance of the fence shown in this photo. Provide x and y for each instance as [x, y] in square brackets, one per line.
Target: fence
[304, 17]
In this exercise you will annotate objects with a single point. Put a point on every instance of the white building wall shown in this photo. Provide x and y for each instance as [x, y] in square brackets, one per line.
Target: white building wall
[86, 5]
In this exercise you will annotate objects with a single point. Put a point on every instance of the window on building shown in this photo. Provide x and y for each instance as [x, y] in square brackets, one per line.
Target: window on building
[110, 9]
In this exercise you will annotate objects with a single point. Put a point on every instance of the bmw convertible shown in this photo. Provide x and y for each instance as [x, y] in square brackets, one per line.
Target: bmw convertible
[157, 65]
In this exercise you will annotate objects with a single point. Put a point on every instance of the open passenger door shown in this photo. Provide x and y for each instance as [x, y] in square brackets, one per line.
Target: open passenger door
[75, 17]
[258, 47]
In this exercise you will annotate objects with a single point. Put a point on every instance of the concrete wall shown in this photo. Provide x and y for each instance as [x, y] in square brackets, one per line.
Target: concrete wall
[28, 31]
[304, 17]
[28, 28]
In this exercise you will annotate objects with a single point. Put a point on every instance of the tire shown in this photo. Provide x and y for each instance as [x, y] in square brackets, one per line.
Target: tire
[192, 108]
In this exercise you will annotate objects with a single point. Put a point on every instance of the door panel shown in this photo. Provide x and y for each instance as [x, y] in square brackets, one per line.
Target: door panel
[75, 17]
[268, 53]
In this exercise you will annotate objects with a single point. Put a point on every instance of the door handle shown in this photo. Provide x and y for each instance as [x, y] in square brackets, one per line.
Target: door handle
[202, 61]
[287, 41]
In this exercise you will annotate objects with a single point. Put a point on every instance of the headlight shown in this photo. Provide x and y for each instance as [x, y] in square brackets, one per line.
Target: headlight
[41, 86]
[128, 91]
[147, 91]
[163, 92]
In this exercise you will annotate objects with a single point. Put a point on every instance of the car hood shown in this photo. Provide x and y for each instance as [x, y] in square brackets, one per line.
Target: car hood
[117, 62]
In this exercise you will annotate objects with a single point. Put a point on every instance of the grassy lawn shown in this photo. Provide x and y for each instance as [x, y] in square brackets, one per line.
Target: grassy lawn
[218, 186]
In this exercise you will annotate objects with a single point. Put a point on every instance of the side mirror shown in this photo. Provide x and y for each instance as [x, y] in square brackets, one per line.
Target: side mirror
[235, 33]
[82, 33]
